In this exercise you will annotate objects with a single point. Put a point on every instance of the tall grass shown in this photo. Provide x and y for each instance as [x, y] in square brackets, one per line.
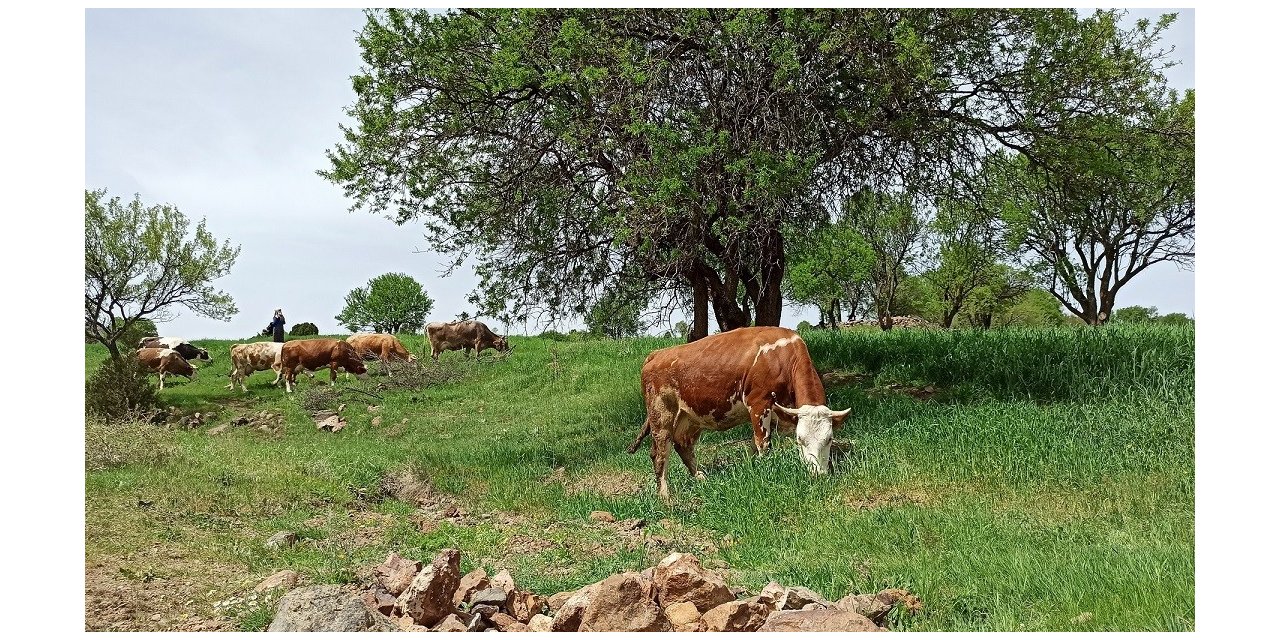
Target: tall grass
[1064, 363]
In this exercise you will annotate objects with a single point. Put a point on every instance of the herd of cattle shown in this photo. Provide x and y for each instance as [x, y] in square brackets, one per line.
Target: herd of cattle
[761, 375]
[172, 356]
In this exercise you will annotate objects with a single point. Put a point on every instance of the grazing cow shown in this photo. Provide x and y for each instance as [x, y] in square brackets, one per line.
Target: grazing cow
[757, 374]
[381, 346]
[465, 335]
[251, 357]
[186, 349]
[317, 353]
[166, 362]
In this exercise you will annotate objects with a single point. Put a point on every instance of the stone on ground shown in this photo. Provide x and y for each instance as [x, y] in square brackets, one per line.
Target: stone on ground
[681, 578]
[328, 607]
[429, 598]
[818, 620]
[624, 602]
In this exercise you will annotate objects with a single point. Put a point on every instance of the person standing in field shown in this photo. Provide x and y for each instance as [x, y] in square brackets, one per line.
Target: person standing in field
[277, 326]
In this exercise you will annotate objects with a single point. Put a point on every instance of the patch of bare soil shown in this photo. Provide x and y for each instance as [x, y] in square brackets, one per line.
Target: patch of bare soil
[843, 378]
[866, 500]
[167, 592]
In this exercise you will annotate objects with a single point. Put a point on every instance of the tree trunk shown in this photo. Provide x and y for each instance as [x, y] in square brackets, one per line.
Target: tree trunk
[699, 328]
[769, 307]
[113, 349]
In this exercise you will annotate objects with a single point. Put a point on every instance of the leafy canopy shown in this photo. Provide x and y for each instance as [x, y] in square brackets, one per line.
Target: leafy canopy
[146, 262]
[388, 303]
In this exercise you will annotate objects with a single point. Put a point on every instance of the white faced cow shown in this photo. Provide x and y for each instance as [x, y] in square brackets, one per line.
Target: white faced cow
[184, 348]
[761, 375]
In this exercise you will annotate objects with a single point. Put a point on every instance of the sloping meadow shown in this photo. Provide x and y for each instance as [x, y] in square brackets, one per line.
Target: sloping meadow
[1012, 479]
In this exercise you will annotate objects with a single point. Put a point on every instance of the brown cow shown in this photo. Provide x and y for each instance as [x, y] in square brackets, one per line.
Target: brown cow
[255, 356]
[317, 353]
[381, 346]
[184, 348]
[465, 335]
[166, 362]
[723, 380]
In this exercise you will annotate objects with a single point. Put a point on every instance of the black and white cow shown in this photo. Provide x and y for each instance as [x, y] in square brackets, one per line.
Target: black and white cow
[185, 349]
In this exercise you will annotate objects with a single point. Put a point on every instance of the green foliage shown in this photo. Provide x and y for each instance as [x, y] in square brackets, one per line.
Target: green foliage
[1034, 308]
[828, 266]
[120, 387]
[140, 263]
[569, 151]
[916, 297]
[615, 316]
[389, 303]
[894, 228]
[304, 329]
[1135, 314]
[804, 325]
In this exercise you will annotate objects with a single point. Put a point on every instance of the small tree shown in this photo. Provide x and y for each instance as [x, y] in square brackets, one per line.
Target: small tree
[895, 231]
[388, 303]
[304, 329]
[614, 316]
[139, 263]
[1135, 315]
[827, 267]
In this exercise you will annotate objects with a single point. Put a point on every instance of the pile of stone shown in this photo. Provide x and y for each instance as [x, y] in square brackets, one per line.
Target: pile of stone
[905, 322]
[264, 422]
[676, 595]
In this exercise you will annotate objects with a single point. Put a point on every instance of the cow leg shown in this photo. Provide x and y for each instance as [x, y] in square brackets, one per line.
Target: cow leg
[333, 374]
[684, 446]
[760, 429]
[162, 380]
[658, 453]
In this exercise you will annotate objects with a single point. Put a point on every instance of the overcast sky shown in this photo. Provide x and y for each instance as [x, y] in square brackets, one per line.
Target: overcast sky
[226, 114]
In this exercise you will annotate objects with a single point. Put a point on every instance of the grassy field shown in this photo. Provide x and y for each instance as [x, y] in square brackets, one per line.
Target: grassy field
[1014, 480]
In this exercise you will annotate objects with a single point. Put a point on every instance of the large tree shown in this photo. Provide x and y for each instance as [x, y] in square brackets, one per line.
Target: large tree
[894, 228]
[145, 262]
[389, 302]
[567, 149]
[830, 268]
[1098, 207]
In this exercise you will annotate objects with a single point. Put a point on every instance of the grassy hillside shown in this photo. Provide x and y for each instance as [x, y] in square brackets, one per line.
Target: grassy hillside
[1014, 480]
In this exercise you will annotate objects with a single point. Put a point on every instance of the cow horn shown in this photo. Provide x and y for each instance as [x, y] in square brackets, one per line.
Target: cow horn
[795, 413]
[840, 415]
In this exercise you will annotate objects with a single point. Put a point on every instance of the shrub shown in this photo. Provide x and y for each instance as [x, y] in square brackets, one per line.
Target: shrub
[304, 329]
[553, 335]
[130, 440]
[119, 388]
[804, 325]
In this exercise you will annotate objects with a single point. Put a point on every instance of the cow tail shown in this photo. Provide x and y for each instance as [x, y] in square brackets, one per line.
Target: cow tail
[644, 431]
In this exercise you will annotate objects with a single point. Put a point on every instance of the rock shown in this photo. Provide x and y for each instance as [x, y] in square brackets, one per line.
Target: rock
[380, 600]
[373, 407]
[631, 524]
[864, 604]
[683, 617]
[797, 597]
[524, 605]
[328, 607]
[281, 540]
[485, 611]
[429, 598]
[569, 615]
[477, 623]
[493, 595]
[218, 430]
[476, 580]
[681, 578]
[332, 423]
[813, 606]
[908, 600]
[376, 421]
[556, 601]
[286, 579]
[504, 622]
[602, 516]
[818, 620]
[774, 591]
[623, 602]
[507, 584]
[540, 623]
[451, 622]
[1082, 618]
[395, 573]
[740, 615]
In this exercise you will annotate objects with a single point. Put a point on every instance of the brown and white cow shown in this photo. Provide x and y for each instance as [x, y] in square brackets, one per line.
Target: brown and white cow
[318, 353]
[465, 335]
[251, 357]
[381, 346]
[184, 348]
[761, 375]
[166, 362]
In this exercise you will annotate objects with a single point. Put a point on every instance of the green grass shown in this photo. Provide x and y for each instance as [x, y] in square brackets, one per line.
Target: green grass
[1053, 476]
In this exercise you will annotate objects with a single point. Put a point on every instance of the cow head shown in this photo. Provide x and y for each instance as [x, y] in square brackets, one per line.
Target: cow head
[352, 362]
[815, 428]
[203, 355]
[500, 343]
